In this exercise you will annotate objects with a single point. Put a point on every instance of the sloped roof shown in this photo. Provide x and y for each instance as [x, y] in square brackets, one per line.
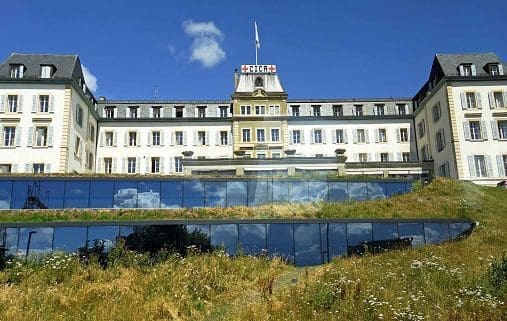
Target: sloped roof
[271, 82]
[65, 65]
[450, 62]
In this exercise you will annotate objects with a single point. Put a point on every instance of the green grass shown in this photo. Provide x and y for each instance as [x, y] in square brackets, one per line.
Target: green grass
[462, 280]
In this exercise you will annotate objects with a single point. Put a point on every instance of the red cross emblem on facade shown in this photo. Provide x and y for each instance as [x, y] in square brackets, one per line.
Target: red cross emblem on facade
[272, 68]
[244, 68]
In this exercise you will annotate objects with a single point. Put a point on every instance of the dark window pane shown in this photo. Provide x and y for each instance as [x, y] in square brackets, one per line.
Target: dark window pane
[258, 193]
[126, 230]
[5, 194]
[385, 231]
[148, 194]
[338, 192]
[54, 191]
[11, 241]
[413, 230]
[298, 192]
[101, 194]
[204, 229]
[358, 191]
[225, 235]
[172, 194]
[394, 188]
[252, 238]
[375, 190]
[216, 194]
[236, 193]
[436, 232]
[40, 242]
[102, 236]
[69, 239]
[281, 241]
[337, 239]
[307, 244]
[280, 191]
[317, 191]
[76, 194]
[193, 194]
[458, 230]
[358, 233]
[125, 194]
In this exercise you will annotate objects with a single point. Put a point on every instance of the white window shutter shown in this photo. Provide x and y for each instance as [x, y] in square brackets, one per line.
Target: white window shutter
[366, 136]
[463, 101]
[217, 138]
[345, 138]
[115, 136]
[500, 165]
[2, 135]
[138, 139]
[478, 100]
[376, 133]
[102, 138]
[185, 134]
[28, 168]
[34, 103]
[195, 138]
[20, 104]
[206, 138]
[500, 69]
[369, 157]
[398, 136]
[491, 100]
[30, 137]
[504, 99]
[471, 166]
[461, 70]
[126, 139]
[148, 163]
[399, 157]
[162, 160]
[312, 139]
[489, 166]
[494, 129]
[474, 71]
[19, 133]
[171, 164]
[47, 168]
[138, 165]
[162, 138]
[484, 130]
[323, 136]
[15, 168]
[302, 137]
[123, 165]
[390, 157]
[172, 138]
[50, 136]
[355, 157]
[466, 129]
[149, 138]
[100, 162]
[2, 103]
[115, 167]
[51, 103]
[354, 134]
[229, 138]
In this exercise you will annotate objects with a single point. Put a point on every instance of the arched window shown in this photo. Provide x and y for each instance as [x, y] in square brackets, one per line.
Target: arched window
[259, 82]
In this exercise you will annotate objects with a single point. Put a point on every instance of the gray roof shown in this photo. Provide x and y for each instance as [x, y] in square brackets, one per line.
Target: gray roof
[450, 63]
[67, 66]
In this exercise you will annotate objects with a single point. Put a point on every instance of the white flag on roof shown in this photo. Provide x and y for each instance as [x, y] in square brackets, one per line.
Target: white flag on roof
[257, 42]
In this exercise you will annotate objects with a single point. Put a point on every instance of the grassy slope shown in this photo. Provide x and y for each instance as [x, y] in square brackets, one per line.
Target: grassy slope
[445, 282]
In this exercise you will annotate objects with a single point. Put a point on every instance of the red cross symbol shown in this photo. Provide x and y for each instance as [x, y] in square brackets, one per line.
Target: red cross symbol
[244, 69]
[272, 68]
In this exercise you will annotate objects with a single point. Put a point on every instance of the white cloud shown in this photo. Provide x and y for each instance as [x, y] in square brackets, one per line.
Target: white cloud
[206, 46]
[89, 78]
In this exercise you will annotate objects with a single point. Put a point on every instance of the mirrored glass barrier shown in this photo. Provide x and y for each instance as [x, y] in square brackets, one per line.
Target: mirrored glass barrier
[302, 242]
[21, 193]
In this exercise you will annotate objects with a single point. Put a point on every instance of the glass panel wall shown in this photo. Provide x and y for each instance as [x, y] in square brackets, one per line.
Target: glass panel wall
[148, 194]
[415, 231]
[5, 194]
[225, 236]
[252, 238]
[76, 194]
[280, 240]
[69, 239]
[307, 244]
[171, 194]
[193, 194]
[101, 194]
[216, 194]
[35, 241]
[236, 193]
[436, 232]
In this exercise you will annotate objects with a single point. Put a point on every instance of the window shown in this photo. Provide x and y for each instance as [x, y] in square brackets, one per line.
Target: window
[178, 164]
[223, 138]
[109, 111]
[421, 128]
[260, 136]
[403, 135]
[108, 165]
[379, 110]
[108, 138]
[261, 155]
[5, 168]
[494, 70]
[275, 155]
[295, 110]
[201, 111]
[38, 168]
[502, 129]
[178, 137]
[245, 110]
[475, 130]
[79, 115]
[443, 170]
[132, 138]
[358, 110]
[363, 157]
[480, 166]
[259, 81]
[77, 147]
[425, 153]
[274, 110]
[41, 135]
[337, 110]
[46, 71]
[201, 137]
[465, 70]
[12, 102]
[260, 110]
[156, 112]
[275, 134]
[440, 138]
[17, 71]
[178, 111]
[223, 111]
[133, 112]
[155, 164]
[504, 160]
[339, 136]
[402, 109]
[43, 103]
[470, 100]
[296, 137]
[89, 160]
[405, 157]
[316, 110]
[131, 165]
[9, 136]
[382, 135]
[361, 137]
[246, 135]
[437, 112]
[155, 138]
[384, 157]
[317, 136]
[498, 100]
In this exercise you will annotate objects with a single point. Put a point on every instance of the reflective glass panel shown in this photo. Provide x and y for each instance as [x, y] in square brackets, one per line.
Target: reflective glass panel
[27, 192]
[376, 190]
[53, 193]
[216, 194]
[76, 193]
[225, 235]
[317, 191]
[11, 242]
[395, 188]
[252, 238]
[281, 241]
[236, 193]
[172, 194]
[40, 242]
[125, 194]
[358, 191]
[69, 239]
[323, 242]
[436, 232]
[307, 244]
[412, 230]
[337, 240]
[298, 192]
[5, 194]
[358, 233]
[193, 194]
[280, 190]
[126, 230]
[338, 192]
[102, 237]
[385, 231]
[460, 229]
[101, 194]
[148, 194]
[258, 193]
[199, 236]
[203, 229]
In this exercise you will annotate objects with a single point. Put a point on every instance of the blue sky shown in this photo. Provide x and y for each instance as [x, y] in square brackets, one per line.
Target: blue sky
[189, 49]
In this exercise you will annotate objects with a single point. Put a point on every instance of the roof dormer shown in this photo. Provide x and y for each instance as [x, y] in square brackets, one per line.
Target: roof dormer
[467, 70]
[494, 69]
[17, 70]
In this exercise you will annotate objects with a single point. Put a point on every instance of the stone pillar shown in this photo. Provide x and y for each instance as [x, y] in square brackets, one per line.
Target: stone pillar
[291, 170]
[240, 171]
[340, 160]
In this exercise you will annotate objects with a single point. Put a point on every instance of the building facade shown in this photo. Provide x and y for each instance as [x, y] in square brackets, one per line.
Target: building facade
[456, 126]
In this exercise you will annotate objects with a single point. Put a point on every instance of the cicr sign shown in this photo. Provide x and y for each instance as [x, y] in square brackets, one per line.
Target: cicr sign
[257, 69]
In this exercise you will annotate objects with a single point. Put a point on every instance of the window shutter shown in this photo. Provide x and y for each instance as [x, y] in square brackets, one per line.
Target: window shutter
[138, 165]
[399, 157]
[171, 164]
[312, 138]
[126, 139]
[115, 135]
[19, 133]
[172, 138]
[366, 136]
[114, 169]
[47, 168]
[463, 101]
[162, 138]
[1, 135]
[217, 138]
[291, 137]
[184, 138]
[100, 161]
[398, 136]
[302, 136]
[34, 103]
[206, 138]
[195, 138]
[466, 129]
[484, 130]
[150, 136]
[500, 69]
[500, 164]
[138, 138]
[355, 157]
[28, 168]
[161, 165]
[2, 103]
[20, 104]
[51, 103]
[471, 166]
[376, 133]
[14, 168]
[478, 100]
[390, 157]
[461, 70]
[474, 71]
[504, 99]
[50, 137]
[494, 129]
[123, 165]
[491, 100]
[489, 166]
[30, 136]
[323, 131]
[102, 138]
[345, 138]
[354, 134]
[369, 157]
[148, 163]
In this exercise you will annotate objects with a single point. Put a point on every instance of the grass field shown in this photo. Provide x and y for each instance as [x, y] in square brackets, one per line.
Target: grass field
[463, 280]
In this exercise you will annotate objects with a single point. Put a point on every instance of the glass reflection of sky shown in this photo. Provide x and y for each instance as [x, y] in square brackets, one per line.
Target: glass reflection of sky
[101, 194]
[337, 239]
[436, 232]
[41, 241]
[280, 241]
[298, 192]
[358, 233]
[258, 193]
[148, 194]
[358, 191]
[385, 231]
[5, 194]
[307, 244]
[395, 188]
[193, 193]
[76, 194]
[69, 239]
[317, 191]
[459, 229]
[376, 190]
[204, 229]
[11, 242]
[280, 191]
[125, 194]
[225, 235]
[338, 192]
[236, 193]
[103, 234]
[414, 230]
[54, 191]
[252, 238]
[171, 194]
[216, 194]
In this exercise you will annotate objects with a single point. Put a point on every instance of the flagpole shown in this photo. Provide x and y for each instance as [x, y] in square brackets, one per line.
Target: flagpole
[257, 42]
